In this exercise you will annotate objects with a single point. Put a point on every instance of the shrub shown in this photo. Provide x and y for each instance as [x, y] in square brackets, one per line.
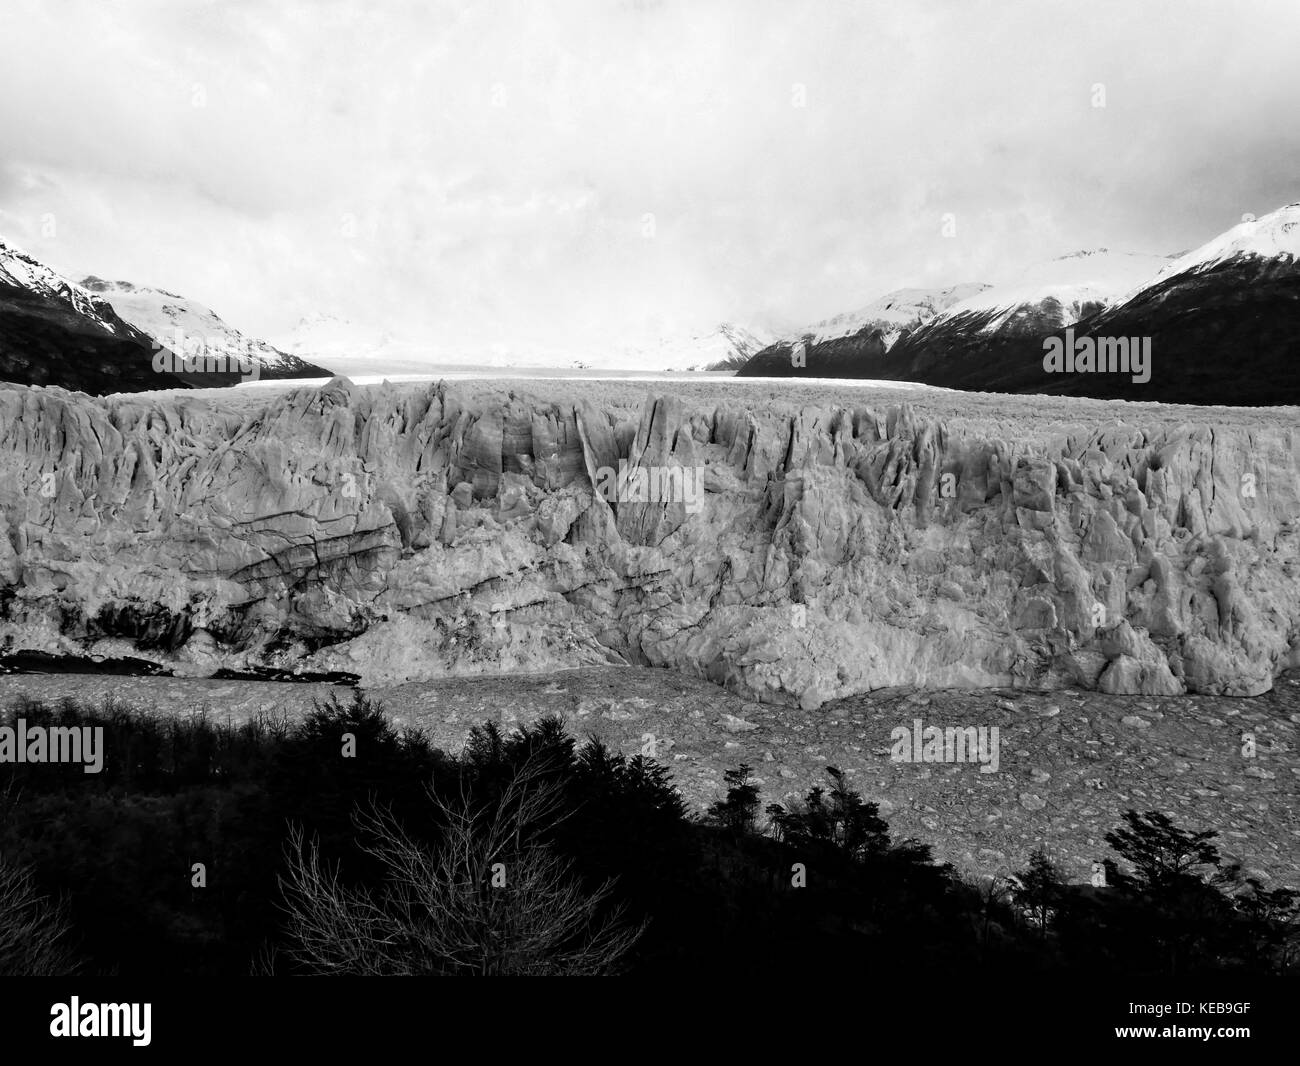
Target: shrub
[34, 935]
[491, 897]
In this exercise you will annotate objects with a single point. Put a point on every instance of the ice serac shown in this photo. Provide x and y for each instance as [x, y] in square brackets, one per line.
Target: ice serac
[418, 531]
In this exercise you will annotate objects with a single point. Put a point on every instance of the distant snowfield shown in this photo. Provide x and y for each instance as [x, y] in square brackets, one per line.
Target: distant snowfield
[252, 392]
[565, 374]
[355, 350]
[624, 392]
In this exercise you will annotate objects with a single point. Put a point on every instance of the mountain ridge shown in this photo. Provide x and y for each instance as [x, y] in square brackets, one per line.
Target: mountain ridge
[848, 345]
[1222, 322]
[170, 319]
[55, 332]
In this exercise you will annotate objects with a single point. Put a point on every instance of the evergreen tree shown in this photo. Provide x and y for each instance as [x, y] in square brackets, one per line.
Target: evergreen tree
[738, 813]
[1039, 891]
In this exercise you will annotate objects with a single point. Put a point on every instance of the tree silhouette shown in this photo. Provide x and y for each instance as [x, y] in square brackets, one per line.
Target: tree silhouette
[738, 813]
[1039, 891]
[840, 819]
[491, 897]
[1160, 852]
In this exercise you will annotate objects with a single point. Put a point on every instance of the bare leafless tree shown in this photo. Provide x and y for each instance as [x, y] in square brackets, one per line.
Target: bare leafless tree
[490, 897]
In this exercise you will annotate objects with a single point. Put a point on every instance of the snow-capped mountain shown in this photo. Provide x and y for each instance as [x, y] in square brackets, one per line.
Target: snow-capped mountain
[1274, 238]
[894, 313]
[1223, 323]
[174, 321]
[1062, 291]
[728, 347]
[18, 270]
[1217, 325]
[55, 332]
[967, 345]
[852, 344]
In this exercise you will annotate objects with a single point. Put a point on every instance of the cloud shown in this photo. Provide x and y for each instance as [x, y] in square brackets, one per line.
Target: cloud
[561, 174]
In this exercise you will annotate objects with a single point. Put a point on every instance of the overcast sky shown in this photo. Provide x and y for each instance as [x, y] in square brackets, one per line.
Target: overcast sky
[558, 173]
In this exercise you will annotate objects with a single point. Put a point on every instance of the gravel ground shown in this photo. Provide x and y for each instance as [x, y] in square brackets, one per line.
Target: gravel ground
[1070, 762]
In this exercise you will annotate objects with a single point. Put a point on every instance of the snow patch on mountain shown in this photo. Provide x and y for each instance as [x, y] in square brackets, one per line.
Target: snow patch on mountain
[900, 310]
[22, 271]
[1079, 282]
[174, 320]
[1272, 236]
[726, 348]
